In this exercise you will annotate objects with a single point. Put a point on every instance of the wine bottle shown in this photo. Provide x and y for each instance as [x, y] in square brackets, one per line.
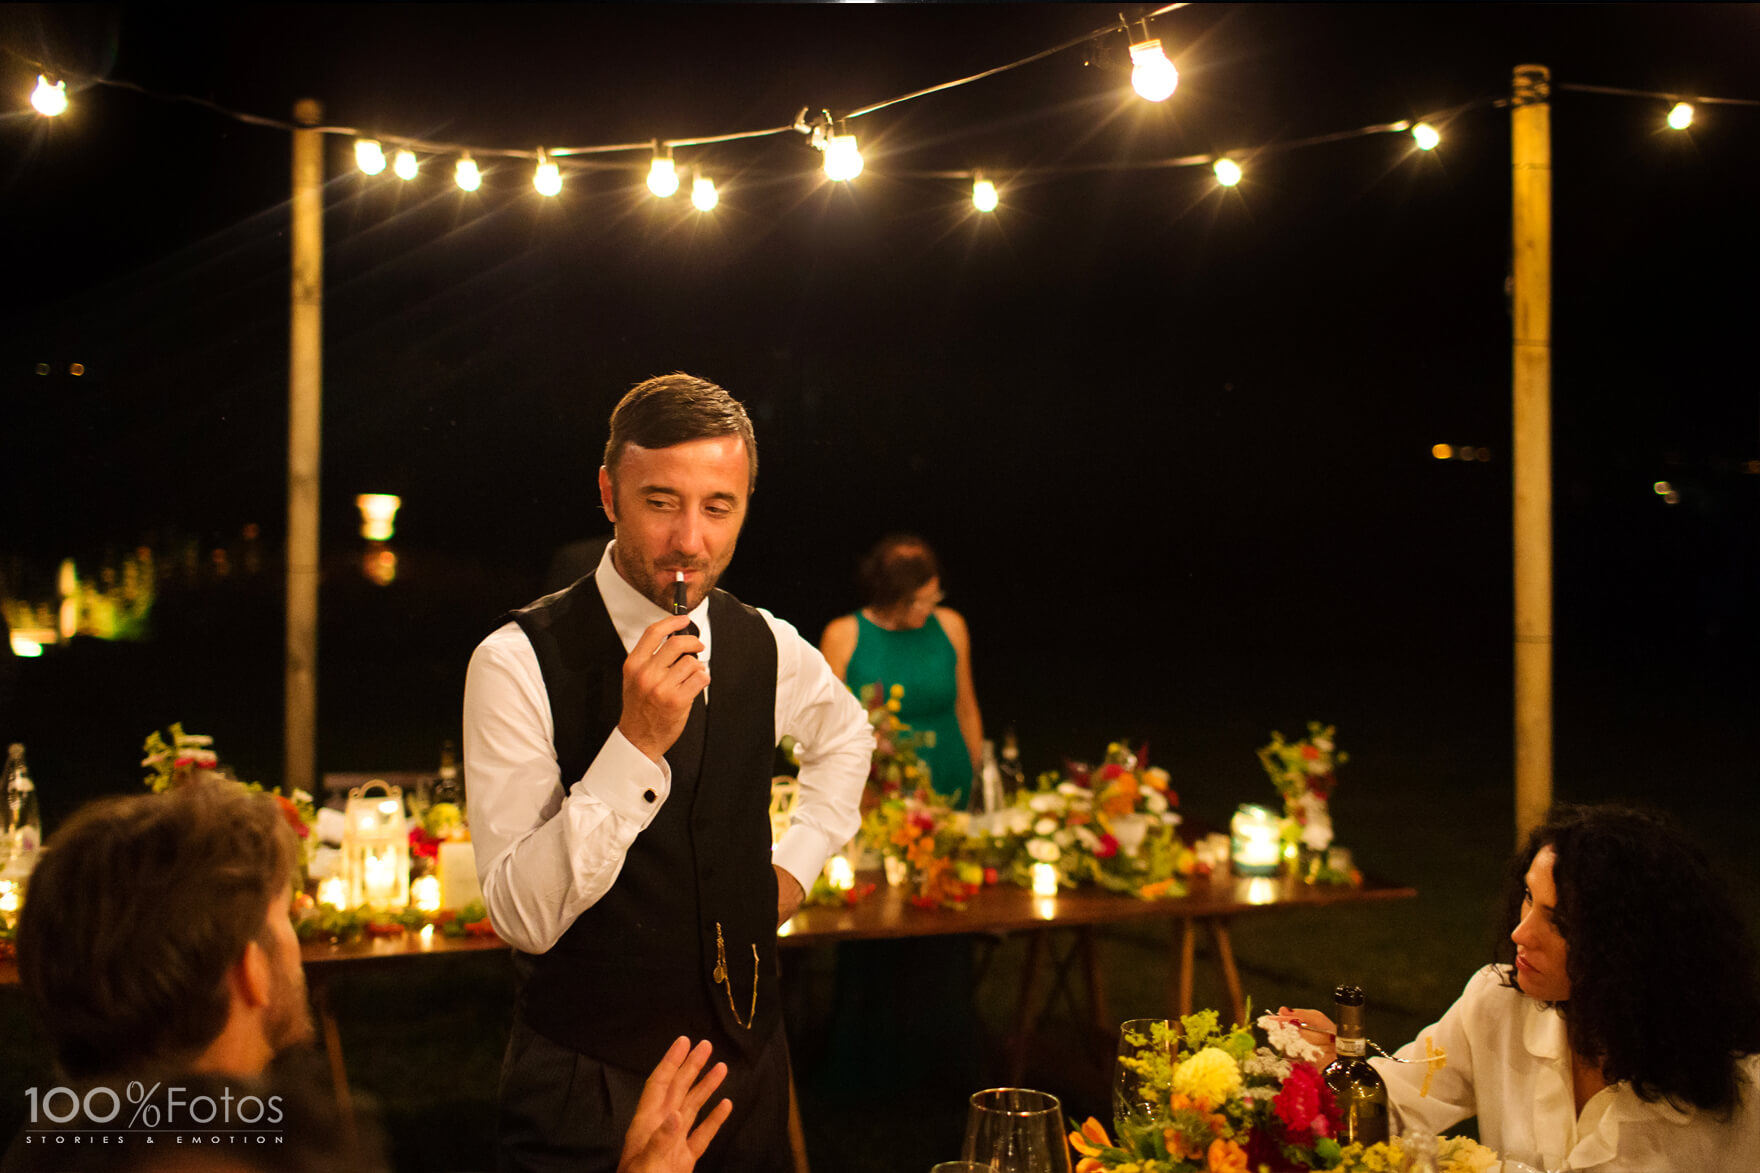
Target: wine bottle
[24, 826]
[447, 787]
[1361, 1094]
[1013, 778]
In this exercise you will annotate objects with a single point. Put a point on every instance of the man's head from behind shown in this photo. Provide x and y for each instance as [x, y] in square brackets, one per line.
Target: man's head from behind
[155, 933]
[680, 466]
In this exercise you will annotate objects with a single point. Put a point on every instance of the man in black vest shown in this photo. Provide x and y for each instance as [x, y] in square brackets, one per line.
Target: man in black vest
[620, 803]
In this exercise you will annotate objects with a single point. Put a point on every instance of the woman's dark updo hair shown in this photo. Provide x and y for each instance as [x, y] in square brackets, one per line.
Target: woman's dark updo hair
[1664, 992]
[895, 569]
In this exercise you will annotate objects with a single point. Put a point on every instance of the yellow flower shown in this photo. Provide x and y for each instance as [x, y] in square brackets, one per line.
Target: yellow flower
[1211, 1074]
[896, 692]
[1091, 1139]
[1226, 1157]
[892, 706]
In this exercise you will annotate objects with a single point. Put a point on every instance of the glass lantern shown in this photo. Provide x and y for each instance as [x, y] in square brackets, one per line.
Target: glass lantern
[375, 848]
[1255, 845]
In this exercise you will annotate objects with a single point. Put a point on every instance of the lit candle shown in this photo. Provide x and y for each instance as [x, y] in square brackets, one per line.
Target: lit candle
[1256, 849]
[1044, 880]
[457, 865]
[378, 878]
[330, 893]
[8, 900]
[839, 874]
[424, 893]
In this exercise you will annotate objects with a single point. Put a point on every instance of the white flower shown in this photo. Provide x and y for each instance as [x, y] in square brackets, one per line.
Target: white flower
[1266, 1062]
[1323, 744]
[1287, 1037]
[1316, 766]
[1155, 802]
[1071, 790]
[1044, 802]
[1065, 837]
[1019, 821]
[1087, 838]
[1043, 850]
[1045, 826]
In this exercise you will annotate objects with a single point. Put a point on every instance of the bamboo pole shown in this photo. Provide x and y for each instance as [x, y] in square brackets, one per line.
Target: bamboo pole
[304, 409]
[1531, 282]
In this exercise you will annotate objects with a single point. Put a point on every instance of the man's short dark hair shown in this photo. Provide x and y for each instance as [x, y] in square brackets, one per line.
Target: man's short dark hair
[675, 409]
[897, 568]
[137, 911]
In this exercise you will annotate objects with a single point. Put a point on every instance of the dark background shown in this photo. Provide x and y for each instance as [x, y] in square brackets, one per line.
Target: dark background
[1172, 443]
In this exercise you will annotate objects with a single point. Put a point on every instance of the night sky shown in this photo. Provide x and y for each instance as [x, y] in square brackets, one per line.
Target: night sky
[1173, 442]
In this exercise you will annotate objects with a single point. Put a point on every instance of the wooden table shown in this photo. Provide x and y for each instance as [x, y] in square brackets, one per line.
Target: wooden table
[886, 913]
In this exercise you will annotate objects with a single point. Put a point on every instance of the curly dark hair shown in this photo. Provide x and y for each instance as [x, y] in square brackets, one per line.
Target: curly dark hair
[895, 569]
[1663, 992]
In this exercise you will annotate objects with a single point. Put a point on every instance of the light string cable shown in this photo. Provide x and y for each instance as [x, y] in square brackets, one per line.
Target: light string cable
[454, 148]
[1618, 91]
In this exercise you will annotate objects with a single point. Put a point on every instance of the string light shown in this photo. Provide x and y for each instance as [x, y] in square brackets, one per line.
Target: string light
[49, 100]
[548, 177]
[984, 197]
[1152, 74]
[369, 156]
[1228, 172]
[466, 174]
[662, 175]
[1425, 136]
[1681, 116]
[704, 197]
[843, 159]
[404, 163]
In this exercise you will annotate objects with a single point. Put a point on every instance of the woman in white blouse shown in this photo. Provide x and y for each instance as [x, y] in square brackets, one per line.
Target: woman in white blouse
[1619, 1030]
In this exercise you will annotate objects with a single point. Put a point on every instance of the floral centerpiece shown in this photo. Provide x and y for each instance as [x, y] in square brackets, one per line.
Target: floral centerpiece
[896, 766]
[1305, 773]
[1227, 1103]
[1112, 825]
[924, 845]
[191, 756]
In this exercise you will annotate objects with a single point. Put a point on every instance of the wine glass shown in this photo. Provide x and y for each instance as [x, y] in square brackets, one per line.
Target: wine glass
[1014, 1130]
[1136, 1109]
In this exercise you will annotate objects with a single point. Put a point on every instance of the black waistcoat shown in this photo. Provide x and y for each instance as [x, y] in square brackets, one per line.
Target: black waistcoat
[638, 968]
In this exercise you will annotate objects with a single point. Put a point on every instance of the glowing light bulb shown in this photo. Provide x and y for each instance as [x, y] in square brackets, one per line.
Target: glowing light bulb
[548, 177]
[1228, 172]
[984, 197]
[49, 99]
[404, 163]
[1425, 136]
[1679, 118]
[466, 174]
[1152, 74]
[369, 156]
[843, 159]
[703, 193]
[662, 176]
[1442, 451]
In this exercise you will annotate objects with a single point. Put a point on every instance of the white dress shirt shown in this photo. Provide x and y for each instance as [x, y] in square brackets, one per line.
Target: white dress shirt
[545, 853]
[1509, 1063]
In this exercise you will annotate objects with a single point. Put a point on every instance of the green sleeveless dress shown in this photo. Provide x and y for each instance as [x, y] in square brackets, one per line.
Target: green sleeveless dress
[923, 661]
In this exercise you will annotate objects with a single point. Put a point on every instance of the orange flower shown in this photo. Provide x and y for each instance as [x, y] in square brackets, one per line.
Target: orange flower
[1156, 890]
[1226, 1156]
[1089, 1165]
[1091, 1139]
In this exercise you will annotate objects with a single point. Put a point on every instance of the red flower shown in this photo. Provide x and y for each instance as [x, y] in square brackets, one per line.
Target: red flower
[1310, 752]
[1109, 771]
[291, 814]
[423, 844]
[989, 875]
[1305, 1104]
[1106, 848]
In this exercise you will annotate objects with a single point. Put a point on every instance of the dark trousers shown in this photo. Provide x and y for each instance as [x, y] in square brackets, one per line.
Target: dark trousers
[561, 1110]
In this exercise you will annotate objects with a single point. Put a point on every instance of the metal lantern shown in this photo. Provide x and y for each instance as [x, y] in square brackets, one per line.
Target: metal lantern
[375, 848]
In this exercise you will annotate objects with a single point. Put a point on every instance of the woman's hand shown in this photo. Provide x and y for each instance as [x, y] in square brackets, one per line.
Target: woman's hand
[1317, 1030]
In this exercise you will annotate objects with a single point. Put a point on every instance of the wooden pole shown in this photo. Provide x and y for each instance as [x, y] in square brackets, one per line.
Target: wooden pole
[304, 402]
[1531, 282]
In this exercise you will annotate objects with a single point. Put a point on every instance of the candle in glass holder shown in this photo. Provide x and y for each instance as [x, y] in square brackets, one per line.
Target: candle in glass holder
[9, 902]
[1044, 880]
[330, 893]
[424, 894]
[457, 865]
[839, 874]
[1257, 851]
[379, 878]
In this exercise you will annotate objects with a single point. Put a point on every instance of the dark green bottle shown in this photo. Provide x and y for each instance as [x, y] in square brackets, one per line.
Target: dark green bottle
[1362, 1096]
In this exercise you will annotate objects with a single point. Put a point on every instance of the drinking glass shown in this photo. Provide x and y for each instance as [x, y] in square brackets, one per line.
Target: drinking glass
[1014, 1130]
[959, 1167]
[1136, 1109]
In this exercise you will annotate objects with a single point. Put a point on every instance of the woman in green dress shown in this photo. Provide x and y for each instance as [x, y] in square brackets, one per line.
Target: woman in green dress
[903, 637]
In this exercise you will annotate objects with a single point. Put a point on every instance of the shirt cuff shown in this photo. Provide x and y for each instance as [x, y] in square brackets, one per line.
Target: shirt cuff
[802, 854]
[626, 780]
